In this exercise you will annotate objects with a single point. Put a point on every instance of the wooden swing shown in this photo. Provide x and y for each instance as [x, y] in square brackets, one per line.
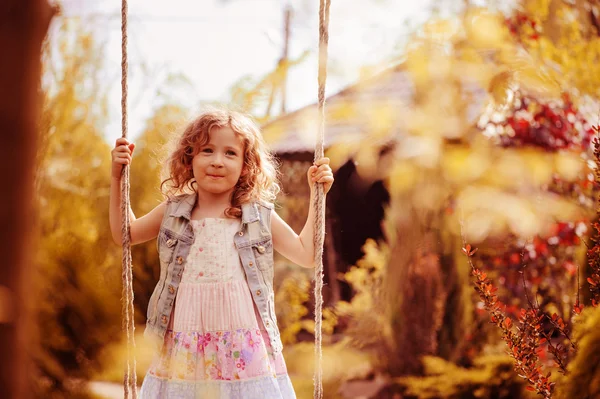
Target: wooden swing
[128, 325]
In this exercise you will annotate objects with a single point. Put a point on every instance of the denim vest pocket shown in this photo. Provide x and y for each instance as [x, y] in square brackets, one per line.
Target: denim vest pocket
[263, 253]
[166, 245]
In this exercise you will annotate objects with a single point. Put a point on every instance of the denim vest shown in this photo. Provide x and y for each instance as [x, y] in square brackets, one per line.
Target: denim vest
[254, 245]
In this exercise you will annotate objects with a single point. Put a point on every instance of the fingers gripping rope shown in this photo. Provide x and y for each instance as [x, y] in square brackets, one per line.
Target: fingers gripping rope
[127, 322]
[320, 199]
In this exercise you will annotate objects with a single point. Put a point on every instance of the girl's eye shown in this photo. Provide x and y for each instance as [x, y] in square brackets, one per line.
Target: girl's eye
[232, 153]
[207, 150]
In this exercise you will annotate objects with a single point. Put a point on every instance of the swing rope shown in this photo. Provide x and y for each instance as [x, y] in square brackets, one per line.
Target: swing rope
[319, 203]
[127, 311]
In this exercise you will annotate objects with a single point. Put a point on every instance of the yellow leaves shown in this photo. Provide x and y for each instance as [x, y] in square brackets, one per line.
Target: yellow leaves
[569, 165]
[442, 30]
[470, 69]
[462, 164]
[381, 118]
[481, 224]
[341, 111]
[274, 132]
[537, 167]
[341, 151]
[490, 212]
[566, 41]
[366, 161]
[485, 30]
[290, 299]
[403, 177]
[501, 87]
[527, 168]
[375, 256]
[329, 322]
[539, 81]
[538, 8]
[528, 73]
[365, 279]
[508, 170]
[417, 63]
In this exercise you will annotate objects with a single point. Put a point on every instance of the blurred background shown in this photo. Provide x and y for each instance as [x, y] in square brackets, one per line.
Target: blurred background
[448, 122]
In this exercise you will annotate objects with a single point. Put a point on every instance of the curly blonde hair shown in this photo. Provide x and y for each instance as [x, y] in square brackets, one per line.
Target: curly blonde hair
[259, 180]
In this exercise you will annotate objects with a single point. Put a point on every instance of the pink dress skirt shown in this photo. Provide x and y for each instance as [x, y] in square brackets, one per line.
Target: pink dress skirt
[216, 346]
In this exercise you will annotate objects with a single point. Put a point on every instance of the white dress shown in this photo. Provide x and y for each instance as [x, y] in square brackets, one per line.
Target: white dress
[216, 346]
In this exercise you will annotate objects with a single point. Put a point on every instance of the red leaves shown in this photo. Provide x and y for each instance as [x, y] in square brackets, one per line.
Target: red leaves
[467, 250]
[594, 251]
[551, 126]
[557, 320]
[524, 344]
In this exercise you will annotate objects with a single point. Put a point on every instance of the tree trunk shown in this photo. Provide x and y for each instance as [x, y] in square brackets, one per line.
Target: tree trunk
[23, 26]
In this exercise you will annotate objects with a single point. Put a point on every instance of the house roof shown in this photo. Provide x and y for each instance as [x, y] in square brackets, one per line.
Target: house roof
[374, 107]
[349, 114]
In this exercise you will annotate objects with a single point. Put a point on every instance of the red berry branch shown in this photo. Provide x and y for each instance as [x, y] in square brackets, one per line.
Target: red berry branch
[551, 126]
[524, 345]
[558, 351]
[594, 252]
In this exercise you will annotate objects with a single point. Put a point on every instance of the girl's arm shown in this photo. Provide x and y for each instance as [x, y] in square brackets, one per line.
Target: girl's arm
[300, 249]
[142, 229]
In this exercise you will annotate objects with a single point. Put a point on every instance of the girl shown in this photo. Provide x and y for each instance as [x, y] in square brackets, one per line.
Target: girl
[212, 311]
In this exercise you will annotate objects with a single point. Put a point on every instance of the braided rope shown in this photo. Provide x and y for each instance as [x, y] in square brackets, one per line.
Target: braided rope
[127, 311]
[319, 203]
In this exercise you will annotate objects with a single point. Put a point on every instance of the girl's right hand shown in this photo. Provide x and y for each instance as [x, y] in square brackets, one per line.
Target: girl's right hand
[121, 155]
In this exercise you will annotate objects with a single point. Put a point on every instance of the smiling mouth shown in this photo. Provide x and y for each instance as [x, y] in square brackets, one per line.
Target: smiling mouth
[215, 176]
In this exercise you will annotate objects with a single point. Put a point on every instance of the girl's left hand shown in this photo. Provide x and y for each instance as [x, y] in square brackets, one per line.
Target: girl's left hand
[320, 172]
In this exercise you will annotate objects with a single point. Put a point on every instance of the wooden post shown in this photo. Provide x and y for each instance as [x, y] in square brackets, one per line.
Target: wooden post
[23, 27]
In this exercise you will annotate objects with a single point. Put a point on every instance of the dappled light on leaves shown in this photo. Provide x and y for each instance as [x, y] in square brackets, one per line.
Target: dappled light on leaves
[403, 177]
[485, 30]
[460, 165]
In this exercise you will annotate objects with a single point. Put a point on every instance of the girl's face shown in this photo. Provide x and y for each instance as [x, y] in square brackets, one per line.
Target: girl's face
[218, 165]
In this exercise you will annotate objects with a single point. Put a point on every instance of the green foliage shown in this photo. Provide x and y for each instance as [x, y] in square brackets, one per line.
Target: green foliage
[363, 314]
[491, 377]
[292, 294]
[583, 378]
